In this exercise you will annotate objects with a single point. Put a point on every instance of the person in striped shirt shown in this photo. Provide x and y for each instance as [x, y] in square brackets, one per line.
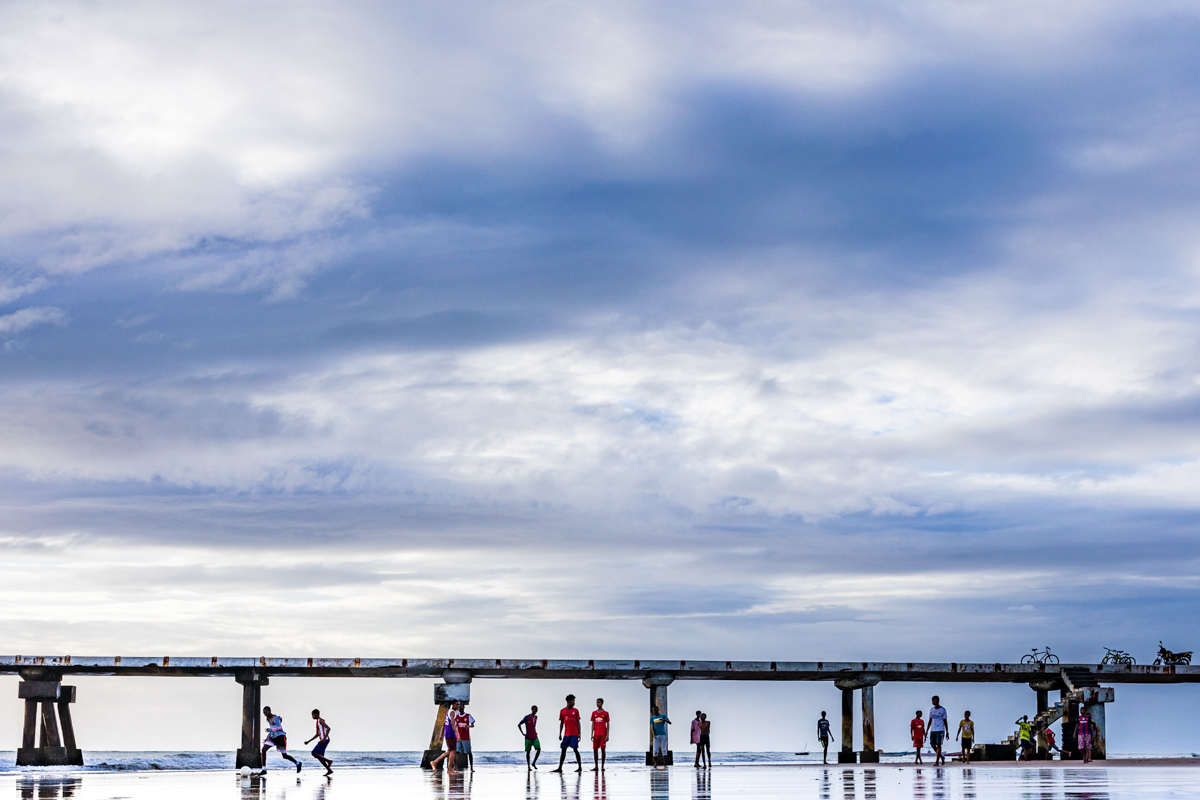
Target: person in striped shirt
[322, 737]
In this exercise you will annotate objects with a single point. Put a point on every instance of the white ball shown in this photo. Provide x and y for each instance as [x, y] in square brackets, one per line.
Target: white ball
[245, 772]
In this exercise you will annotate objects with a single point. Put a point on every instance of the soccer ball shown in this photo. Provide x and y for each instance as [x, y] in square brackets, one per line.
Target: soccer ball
[245, 772]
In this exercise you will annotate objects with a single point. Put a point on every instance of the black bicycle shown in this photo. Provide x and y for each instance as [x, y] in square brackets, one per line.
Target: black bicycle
[1116, 657]
[1039, 657]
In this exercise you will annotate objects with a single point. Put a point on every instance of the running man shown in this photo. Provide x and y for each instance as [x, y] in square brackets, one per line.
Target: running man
[275, 738]
[706, 739]
[1052, 745]
[824, 735]
[599, 736]
[659, 723]
[917, 729]
[937, 730]
[322, 737]
[462, 726]
[531, 738]
[966, 728]
[568, 734]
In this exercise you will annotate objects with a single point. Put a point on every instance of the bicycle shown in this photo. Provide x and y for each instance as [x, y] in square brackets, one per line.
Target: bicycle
[1039, 657]
[1117, 657]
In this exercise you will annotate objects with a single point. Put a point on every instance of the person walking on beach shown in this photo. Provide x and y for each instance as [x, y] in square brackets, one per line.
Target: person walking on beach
[696, 737]
[450, 737]
[706, 740]
[937, 730]
[529, 721]
[599, 736]
[1083, 735]
[917, 729]
[966, 729]
[659, 723]
[322, 737]
[568, 734]
[1024, 737]
[462, 726]
[275, 738]
[824, 735]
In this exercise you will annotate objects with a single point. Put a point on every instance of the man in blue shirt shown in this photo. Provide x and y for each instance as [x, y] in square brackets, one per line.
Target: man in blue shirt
[659, 723]
[275, 738]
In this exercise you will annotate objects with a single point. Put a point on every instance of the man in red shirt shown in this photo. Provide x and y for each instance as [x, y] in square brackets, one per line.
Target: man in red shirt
[462, 726]
[568, 733]
[599, 736]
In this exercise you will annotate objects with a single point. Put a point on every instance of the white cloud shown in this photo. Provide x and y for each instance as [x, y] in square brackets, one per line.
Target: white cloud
[28, 317]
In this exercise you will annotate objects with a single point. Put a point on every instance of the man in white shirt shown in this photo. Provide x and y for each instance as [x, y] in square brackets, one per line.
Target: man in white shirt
[937, 730]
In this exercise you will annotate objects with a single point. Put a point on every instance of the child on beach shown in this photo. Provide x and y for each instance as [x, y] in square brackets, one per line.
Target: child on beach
[917, 729]
[529, 721]
[275, 738]
[322, 737]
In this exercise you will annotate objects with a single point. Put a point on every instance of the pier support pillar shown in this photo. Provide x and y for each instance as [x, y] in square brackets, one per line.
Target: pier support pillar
[1043, 705]
[249, 754]
[41, 745]
[847, 755]
[657, 683]
[869, 754]
[1070, 714]
[456, 689]
[1093, 702]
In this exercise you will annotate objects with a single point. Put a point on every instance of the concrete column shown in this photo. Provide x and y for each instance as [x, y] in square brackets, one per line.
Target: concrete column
[29, 734]
[657, 683]
[869, 755]
[1069, 715]
[44, 696]
[1096, 712]
[455, 689]
[249, 754]
[1043, 705]
[846, 755]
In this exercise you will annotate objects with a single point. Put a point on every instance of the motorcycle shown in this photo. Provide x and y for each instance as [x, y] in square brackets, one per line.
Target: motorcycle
[1168, 658]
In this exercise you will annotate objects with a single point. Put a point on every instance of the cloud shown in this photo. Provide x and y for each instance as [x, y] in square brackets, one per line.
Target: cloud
[28, 317]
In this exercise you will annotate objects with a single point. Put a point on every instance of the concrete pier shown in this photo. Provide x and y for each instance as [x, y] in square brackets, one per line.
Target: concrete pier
[249, 754]
[868, 755]
[41, 742]
[847, 755]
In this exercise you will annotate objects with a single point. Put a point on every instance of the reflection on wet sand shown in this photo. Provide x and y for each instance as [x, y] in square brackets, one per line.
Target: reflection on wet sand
[599, 786]
[660, 784]
[703, 788]
[869, 784]
[48, 787]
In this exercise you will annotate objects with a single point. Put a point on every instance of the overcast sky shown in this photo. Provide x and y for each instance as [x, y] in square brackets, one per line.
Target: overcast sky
[725, 330]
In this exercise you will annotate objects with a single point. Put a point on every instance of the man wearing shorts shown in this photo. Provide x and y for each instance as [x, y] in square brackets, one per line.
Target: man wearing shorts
[937, 731]
[705, 741]
[659, 723]
[322, 737]
[462, 726]
[824, 734]
[275, 738]
[529, 731]
[599, 736]
[967, 729]
[568, 733]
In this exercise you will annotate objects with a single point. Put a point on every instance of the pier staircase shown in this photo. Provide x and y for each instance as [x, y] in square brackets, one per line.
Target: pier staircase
[1081, 684]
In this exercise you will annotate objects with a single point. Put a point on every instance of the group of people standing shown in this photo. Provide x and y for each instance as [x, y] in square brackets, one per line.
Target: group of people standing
[569, 723]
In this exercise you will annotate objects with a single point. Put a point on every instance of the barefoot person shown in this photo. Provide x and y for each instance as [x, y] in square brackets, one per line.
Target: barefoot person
[966, 729]
[322, 737]
[706, 740]
[1083, 735]
[599, 736]
[462, 726]
[1024, 736]
[528, 728]
[696, 737]
[275, 738]
[937, 730]
[824, 735]
[917, 729]
[450, 738]
[659, 723]
[568, 734]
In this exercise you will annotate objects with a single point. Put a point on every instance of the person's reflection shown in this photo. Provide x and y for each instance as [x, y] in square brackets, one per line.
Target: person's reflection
[869, 784]
[703, 790]
[322, 790]
[939, 783]
[824, 792]
[600, 786]
[848, 784]
[660, 784]
[459, 785]
[531, 785]
[968, 779]
[919, 784]
[569, 792]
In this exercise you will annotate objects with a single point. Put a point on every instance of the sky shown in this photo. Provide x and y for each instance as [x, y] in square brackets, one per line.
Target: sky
[755, 330]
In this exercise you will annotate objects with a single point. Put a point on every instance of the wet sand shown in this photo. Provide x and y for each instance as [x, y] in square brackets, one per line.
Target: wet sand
[1114, 780]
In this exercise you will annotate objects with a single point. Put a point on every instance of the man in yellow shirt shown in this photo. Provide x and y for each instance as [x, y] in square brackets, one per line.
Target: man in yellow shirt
[1025, 728]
